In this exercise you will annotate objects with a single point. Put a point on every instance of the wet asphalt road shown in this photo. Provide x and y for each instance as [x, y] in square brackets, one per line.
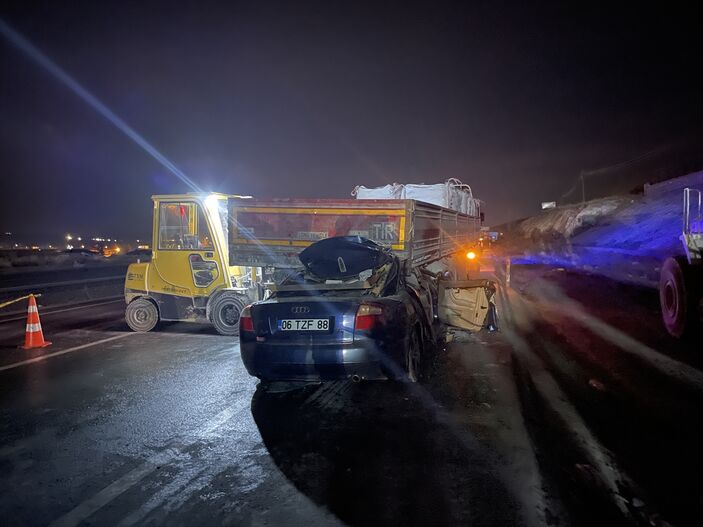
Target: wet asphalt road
[520, 427]
[168, 428]
[638, 390]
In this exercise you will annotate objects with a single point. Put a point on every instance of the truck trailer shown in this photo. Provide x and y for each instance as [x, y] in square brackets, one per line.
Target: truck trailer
[273, 232]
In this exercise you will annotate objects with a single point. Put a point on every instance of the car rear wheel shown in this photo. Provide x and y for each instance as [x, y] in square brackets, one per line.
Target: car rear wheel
[413, 356]
[142, 315]
[225, 312]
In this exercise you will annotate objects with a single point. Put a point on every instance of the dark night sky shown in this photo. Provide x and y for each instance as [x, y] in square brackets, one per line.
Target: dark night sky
[309, 100]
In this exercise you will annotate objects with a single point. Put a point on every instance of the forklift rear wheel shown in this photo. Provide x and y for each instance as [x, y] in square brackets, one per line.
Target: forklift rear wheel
[225, 312]
[142, 315]
[679, 296]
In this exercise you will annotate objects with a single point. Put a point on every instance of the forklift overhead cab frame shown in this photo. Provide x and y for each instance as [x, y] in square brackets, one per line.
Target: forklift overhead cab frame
[188, 278]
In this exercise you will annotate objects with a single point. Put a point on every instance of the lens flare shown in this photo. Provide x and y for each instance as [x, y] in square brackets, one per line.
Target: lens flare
[49, 65]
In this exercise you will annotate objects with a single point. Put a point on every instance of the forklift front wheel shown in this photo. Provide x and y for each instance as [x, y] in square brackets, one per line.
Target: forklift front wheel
[225, 312]
[142, 315]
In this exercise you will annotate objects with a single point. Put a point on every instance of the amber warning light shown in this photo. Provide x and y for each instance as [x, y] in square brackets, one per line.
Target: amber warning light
[471, 255]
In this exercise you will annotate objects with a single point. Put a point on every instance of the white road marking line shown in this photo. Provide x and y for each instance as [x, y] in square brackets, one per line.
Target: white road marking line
[105, 496]
[63, 352]
[90, 506]
[668, 366]
[169, 493]
[600, 458]
[47, 313]
[222, 417]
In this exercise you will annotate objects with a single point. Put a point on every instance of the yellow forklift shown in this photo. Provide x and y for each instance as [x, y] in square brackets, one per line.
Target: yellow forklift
[189, 277]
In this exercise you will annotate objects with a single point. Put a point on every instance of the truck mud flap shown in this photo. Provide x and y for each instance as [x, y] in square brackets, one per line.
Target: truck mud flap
[467, 304]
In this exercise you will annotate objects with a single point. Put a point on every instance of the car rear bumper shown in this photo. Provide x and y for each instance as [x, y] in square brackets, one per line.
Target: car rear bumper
[288, 362]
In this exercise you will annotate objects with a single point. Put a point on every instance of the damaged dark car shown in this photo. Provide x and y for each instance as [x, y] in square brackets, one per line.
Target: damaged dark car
[349, 313]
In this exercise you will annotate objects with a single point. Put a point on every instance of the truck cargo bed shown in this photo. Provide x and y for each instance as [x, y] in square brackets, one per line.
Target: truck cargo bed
[274, 232]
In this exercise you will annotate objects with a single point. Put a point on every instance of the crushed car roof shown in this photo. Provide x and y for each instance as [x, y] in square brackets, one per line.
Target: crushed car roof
[343, 257]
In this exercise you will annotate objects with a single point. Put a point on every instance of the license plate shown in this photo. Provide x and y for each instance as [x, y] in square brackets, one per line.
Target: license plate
[304, 324]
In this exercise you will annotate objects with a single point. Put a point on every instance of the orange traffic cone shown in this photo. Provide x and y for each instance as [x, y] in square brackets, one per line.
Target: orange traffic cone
[33, 336]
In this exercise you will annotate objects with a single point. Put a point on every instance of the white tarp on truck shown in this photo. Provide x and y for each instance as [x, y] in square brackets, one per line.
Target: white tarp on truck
[391, 191]
[452, 194]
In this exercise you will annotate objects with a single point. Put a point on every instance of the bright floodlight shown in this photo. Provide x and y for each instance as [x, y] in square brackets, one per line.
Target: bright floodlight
[211, 202]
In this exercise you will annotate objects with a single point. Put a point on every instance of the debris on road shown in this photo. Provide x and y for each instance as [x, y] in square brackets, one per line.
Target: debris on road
[596, 385]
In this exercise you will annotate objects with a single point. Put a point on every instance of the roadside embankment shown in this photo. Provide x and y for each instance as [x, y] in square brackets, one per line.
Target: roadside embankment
[622, 237]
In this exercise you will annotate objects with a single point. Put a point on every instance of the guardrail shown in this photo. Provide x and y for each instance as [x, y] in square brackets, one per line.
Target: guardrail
[68, 292]
[67, 283]
[692, 209]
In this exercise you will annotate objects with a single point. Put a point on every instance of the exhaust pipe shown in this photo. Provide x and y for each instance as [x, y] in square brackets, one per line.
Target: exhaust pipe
[356, 378]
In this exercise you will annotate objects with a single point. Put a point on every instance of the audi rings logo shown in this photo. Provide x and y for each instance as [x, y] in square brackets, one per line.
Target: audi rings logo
[300, 310]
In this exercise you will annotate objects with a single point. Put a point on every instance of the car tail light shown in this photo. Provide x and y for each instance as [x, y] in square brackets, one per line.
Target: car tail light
[367, 316]
[245, 321]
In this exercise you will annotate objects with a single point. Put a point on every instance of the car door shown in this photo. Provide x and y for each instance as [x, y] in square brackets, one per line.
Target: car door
[465, 303]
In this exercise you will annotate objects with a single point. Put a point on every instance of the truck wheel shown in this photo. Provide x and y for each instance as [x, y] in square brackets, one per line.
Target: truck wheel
[679, 298]
[225, 312]
[141, 315]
